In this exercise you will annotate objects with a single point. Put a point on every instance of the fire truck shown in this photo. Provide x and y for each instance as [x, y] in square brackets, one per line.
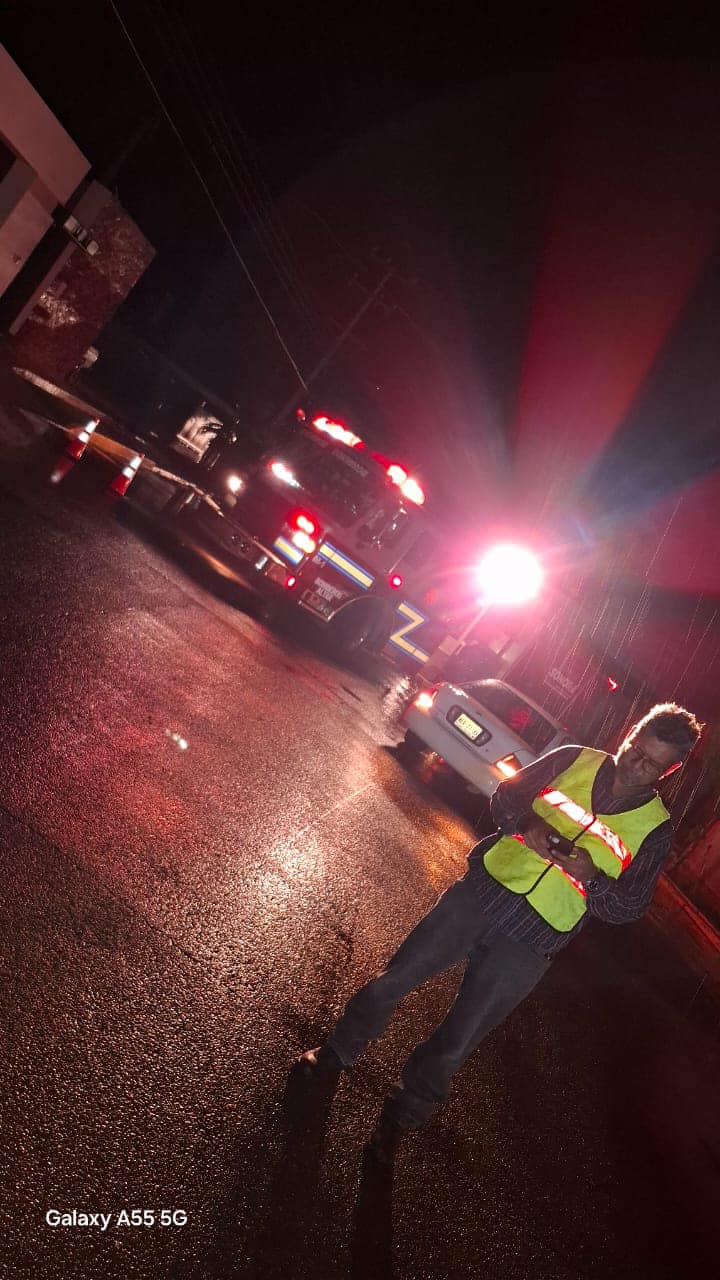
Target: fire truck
[325, 524]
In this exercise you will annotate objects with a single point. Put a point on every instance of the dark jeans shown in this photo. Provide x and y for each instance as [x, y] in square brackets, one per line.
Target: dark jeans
[499, 974]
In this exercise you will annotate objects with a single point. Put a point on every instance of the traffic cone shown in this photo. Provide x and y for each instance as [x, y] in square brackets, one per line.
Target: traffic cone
[62, 468]
[77, 445]
[124, 479]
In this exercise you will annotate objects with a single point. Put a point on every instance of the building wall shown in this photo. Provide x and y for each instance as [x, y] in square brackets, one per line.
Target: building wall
[60, 302]
[42, 167]
[81, 294]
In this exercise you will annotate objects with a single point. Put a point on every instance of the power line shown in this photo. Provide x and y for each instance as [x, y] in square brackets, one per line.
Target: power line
[208, 193]
[255, 180]
[342, 247]
[322, 364]
[248, 197]
[392, 306]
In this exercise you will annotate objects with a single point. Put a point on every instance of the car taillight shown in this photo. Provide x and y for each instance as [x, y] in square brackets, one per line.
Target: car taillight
[395, 580]
[290, 581]
[424, 700]
[509, 765]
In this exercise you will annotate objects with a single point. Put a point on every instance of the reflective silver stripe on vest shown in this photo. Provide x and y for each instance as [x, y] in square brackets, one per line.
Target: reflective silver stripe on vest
[592, 825]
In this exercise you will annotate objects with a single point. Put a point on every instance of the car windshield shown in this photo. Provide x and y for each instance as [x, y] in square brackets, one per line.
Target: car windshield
[339, 481]
[516, 713]
[386, 525]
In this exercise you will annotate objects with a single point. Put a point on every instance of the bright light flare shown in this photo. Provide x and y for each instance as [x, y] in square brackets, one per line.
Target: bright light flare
[398, 475]
[424, 700]
[337, 431]
[284, 473]
[413, 491]
[235, 484]
[509, 574]
[304, 542]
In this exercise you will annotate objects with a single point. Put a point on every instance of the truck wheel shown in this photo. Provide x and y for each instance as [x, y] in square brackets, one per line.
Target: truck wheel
[271, 610]
[352, 632]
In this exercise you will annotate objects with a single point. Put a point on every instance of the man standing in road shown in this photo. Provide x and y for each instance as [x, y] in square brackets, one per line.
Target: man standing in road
[580, 833]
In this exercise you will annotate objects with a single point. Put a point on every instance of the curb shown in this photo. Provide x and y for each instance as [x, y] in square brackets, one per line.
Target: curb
[695, 937]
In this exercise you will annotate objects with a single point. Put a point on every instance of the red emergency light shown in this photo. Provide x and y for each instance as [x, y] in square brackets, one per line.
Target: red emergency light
[337, 431]
[395, 580]
[399, 476]
[306, 532]
[408, 487]
[380, 457]
[305, 522]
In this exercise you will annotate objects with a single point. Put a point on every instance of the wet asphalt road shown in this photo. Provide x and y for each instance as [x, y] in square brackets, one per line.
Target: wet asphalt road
[175, 926]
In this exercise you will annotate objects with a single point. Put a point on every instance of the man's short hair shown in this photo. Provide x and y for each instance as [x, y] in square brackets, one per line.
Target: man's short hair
[672, 724]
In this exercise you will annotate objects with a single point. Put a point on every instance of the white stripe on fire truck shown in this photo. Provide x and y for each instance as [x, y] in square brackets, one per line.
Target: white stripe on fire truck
[344, 565]
[294, 554]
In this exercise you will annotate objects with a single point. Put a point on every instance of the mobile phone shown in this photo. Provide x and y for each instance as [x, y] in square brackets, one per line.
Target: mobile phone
[560, 844]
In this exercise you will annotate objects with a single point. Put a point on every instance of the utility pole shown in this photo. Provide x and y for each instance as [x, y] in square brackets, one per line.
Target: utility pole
[322, 364]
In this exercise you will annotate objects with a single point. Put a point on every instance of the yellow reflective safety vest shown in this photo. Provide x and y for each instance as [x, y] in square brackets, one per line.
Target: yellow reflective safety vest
[612, 840]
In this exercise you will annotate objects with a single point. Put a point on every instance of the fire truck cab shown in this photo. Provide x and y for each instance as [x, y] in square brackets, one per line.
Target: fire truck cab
[326, 524]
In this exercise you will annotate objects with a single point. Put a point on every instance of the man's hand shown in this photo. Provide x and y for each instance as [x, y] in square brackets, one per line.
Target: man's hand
[578, 864]
[535, 834]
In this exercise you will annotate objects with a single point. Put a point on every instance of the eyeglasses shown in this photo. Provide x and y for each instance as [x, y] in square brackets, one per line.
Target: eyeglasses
[649, 765]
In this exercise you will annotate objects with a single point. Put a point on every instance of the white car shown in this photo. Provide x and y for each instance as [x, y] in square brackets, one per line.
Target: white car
[485, 731]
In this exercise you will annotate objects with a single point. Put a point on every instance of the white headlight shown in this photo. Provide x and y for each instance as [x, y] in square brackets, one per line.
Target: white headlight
[284, 473]
[235, 484]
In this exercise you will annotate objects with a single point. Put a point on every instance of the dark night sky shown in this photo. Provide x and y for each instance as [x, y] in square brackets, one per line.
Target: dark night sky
[547, 193]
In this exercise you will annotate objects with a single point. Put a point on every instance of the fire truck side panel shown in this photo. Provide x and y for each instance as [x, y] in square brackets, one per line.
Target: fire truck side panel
[331, 579]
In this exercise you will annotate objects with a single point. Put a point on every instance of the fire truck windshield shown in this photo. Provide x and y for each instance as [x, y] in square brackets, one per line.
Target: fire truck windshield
[340, 481]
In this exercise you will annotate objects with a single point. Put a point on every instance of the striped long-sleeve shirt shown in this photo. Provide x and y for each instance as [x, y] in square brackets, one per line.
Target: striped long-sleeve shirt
[615, 901]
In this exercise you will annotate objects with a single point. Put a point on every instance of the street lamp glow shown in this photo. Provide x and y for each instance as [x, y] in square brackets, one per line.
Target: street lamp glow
[509, 574]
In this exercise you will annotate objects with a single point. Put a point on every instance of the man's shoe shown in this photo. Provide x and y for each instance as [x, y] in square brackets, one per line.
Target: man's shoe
[385, 1139]
[321, 1064]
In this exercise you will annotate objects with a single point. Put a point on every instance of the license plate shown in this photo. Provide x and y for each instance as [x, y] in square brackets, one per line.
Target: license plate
[313, 601]
[468, 727]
